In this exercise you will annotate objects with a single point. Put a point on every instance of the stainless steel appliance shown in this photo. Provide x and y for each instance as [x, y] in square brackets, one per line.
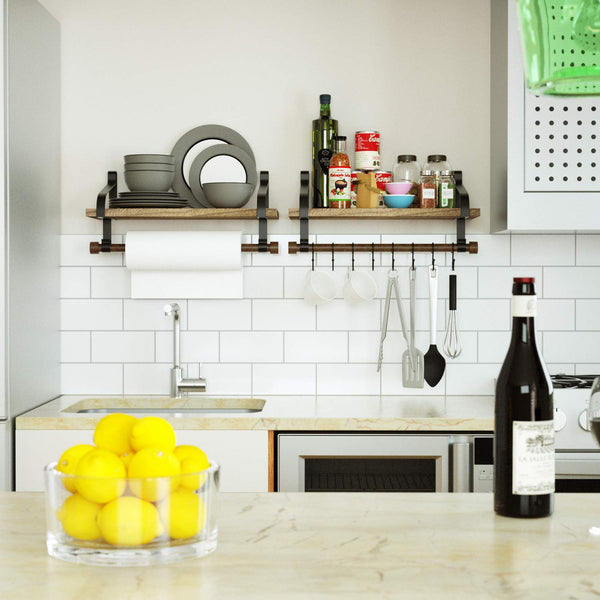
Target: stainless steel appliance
[29, 217]
[375, 462]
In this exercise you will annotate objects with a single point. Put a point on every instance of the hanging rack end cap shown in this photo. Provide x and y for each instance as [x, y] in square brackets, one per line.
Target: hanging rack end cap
[473, 247]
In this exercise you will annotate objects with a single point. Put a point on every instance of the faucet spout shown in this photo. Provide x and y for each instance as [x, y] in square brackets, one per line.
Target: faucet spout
[178, 383]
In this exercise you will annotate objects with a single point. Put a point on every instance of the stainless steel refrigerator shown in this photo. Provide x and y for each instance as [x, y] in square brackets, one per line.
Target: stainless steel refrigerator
[29, 218]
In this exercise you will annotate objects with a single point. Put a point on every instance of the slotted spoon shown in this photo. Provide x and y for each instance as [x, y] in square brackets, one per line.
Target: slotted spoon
[412, 358]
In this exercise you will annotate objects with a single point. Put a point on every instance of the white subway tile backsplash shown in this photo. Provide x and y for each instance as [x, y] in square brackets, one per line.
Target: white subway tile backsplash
[484, 315]
[122, 346]
[263, 282]
[348, 380]
[493, 346]
[111, 282]
[91, 314]
[587, 315]
[497, 282]
[227, 379]
[149, 315]
[216, 315]
[316, 347]
[571, 346]
[251, 346]
[150, 378]
[195, 346]
[274, 344]
[75, 347]
[571, 282]
[74, 282]
[471, 380]
[91, 378]
[282, 315]
[341, 315]
[542, 250]
[283, 379]
[588, 249]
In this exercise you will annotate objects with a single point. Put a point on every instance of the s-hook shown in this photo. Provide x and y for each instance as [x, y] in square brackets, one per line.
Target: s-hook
[353, 256]
[393, 258]
[433, 255]
[412, 256]
[312, 260]
[372, 256]
[332, 256]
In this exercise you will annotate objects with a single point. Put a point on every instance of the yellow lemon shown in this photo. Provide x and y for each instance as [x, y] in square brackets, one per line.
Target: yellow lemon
[78, 517]
[152, 432]
[126, 458]
[67, 463]
[192, 460]
[100, 476]
[129, 521]
[113, 433]
[182, 513]
[153, 474]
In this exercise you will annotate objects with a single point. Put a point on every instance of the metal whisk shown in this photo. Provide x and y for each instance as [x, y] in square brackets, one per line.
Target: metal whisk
[452, 344]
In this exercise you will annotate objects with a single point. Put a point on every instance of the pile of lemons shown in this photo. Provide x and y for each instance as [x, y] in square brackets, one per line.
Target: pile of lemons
[115, 495]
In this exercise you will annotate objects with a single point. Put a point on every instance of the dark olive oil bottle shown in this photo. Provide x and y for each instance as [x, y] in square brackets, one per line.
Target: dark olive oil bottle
[323, 130]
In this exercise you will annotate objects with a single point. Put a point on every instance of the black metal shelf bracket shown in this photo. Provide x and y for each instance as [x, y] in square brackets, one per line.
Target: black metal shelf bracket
[110, 191]
[462, 202]
[262, 203]
[304, 185]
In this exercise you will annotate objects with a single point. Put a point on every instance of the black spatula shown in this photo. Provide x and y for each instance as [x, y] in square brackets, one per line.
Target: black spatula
[434, 363]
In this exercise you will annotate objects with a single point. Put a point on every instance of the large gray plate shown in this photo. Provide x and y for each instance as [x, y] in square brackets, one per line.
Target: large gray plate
[189, 140]
[220, 150]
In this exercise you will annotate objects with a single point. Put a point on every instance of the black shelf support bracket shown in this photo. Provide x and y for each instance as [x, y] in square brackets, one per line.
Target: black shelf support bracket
[304, 185]
[110, 191]
[262, 203]
[462, 202]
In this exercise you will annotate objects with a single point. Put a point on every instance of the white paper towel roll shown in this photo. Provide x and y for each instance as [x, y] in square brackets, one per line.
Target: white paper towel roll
[185, 264]
[183, 250]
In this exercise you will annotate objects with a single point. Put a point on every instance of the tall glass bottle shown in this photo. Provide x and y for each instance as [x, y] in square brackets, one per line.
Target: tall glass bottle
[524, 436]
[340, 175]
[323, 130]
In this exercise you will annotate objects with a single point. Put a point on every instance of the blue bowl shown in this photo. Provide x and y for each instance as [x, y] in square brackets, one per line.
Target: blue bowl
[398, 200]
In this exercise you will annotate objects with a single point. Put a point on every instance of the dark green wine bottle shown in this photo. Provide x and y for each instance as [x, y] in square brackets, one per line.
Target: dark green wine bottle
[323, 130]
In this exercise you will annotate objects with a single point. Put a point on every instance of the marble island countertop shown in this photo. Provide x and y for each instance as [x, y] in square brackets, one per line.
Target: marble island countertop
[284, 413]
[274, 546]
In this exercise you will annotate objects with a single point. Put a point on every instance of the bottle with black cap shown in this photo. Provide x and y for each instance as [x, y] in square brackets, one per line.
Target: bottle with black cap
[524, 418]
[323, 130]
[437, 163]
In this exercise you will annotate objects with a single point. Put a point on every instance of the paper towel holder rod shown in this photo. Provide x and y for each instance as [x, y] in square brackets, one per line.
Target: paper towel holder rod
[110, 191]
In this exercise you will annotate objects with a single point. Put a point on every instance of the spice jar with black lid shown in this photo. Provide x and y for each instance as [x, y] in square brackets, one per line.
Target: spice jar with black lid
[427, 189]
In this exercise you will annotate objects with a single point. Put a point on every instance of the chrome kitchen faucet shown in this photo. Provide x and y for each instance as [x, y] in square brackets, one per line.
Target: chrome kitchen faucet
[178, 383]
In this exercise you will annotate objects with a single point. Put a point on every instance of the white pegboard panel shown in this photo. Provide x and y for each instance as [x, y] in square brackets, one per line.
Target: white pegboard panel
[562, 144]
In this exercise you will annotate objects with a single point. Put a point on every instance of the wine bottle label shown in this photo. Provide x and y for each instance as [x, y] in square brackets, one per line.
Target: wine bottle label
[524, 306]
[340, 180]
[533, 457]
[324, 157]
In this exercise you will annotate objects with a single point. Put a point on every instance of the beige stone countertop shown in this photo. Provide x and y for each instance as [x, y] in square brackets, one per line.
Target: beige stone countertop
[341, 545]
[282, 413]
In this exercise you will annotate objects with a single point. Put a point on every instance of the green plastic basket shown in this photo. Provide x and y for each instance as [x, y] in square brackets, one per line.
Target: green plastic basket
[561, 46]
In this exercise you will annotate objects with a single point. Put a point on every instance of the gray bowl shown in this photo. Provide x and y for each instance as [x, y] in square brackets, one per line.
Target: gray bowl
[149, 167]
[150, 158]
[228, 194]
[149, 181]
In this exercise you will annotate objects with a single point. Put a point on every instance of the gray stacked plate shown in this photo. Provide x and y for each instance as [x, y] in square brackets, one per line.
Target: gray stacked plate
[148, 200]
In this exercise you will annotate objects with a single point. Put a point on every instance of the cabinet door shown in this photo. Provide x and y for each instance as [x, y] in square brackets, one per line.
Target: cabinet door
[242, 455]
[551, 144]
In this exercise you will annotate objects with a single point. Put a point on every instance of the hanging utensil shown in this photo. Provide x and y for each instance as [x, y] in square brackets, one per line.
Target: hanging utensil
[384, 321]
[452, 343]
[412, 377]
[434, 363]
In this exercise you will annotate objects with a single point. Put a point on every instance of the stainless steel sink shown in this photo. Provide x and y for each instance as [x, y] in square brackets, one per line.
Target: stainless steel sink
[189, 406]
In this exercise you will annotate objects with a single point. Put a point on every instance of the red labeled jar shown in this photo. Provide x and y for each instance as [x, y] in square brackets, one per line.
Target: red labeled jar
[366, 150]
[381, 178]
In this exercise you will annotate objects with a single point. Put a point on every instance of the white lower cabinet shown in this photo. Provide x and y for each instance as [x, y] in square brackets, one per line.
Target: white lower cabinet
[242, 455]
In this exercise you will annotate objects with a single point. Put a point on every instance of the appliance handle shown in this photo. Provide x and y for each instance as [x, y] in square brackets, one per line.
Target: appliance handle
[461, 451]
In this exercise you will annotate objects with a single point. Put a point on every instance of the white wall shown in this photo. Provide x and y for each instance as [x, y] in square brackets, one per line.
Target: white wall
[137, 74]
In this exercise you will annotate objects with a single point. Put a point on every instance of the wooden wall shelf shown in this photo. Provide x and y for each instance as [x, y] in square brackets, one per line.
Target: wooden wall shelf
[182, 213]
[383, 213]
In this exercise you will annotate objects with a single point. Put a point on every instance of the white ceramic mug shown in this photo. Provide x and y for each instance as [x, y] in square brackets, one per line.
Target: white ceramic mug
[319, 287]
[359, 286]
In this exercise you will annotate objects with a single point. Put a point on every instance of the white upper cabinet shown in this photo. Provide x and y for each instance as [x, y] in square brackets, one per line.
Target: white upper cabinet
[545, 151]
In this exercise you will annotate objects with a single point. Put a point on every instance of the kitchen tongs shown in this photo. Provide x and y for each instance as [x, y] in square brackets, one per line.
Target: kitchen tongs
[392, 284]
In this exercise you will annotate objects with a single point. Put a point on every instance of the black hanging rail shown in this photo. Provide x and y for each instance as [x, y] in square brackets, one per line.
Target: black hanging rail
[109, 191]
[462, 212]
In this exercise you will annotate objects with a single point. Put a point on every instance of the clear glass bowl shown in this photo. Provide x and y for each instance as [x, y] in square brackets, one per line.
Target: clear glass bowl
[171, 521]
